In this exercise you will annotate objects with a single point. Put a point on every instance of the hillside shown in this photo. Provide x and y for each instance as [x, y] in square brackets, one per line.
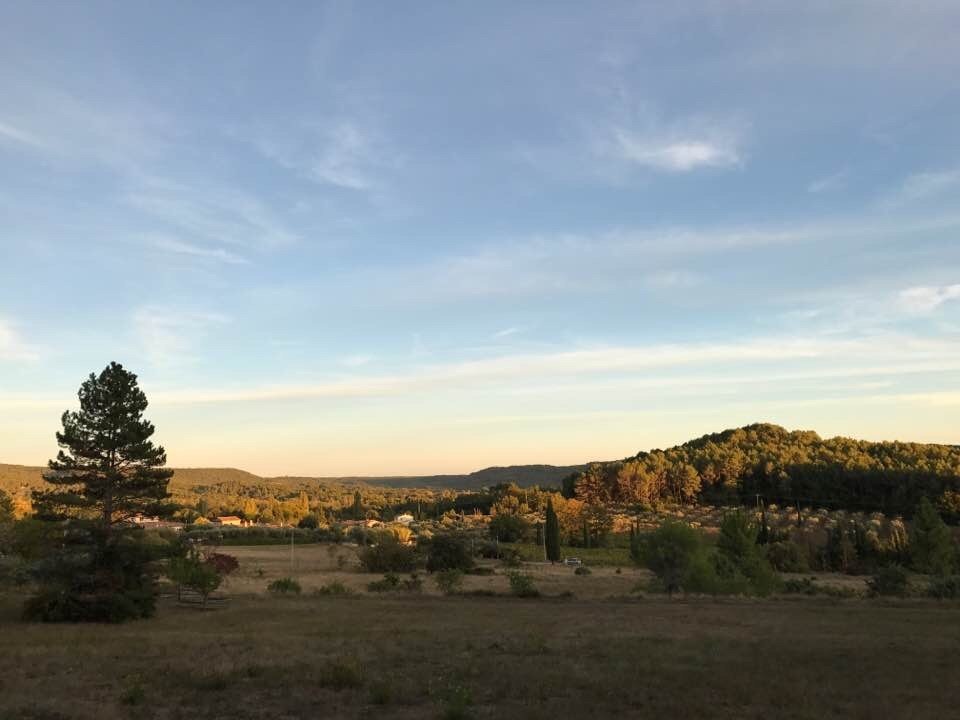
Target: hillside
[773, 464]
[13, 478]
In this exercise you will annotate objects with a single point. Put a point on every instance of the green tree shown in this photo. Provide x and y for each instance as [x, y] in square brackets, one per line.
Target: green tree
[509, 528]
[357, 509]
[6, 507]
[740, 561]
[931, 545]
[107, 471]
[671, 552]
[552, 533]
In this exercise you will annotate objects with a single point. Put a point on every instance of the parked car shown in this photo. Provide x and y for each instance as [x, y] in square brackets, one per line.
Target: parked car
[572, 562]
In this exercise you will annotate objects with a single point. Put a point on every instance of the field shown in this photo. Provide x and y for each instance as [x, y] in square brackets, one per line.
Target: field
[602, 653]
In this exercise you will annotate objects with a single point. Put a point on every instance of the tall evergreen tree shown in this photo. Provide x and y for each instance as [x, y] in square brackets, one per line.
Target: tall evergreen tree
[107, 471]
[357, 509]
[552, 533]
[931, 545]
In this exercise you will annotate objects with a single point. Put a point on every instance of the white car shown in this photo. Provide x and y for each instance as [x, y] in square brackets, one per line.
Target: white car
[572, 562]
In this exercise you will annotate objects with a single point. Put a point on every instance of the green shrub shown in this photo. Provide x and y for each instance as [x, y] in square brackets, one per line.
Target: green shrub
[509, 528]
[449, 582]
[388, 555]
[931, 546]
[449, 551]
[284, 586]
[944, 588]
[480, 570]
[788, 556]
[582, 571]
[335, 588]
[669, 552]
[511, 557]
[891, 580]
[521, 585]
[412, 584]
[390, 582]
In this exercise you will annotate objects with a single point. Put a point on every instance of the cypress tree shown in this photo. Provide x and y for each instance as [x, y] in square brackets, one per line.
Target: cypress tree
[552, 532]
[357, 509]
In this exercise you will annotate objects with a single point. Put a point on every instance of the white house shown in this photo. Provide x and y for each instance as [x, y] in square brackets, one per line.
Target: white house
[404, 519]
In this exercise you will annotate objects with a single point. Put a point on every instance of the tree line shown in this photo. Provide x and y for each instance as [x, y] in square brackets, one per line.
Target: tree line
[783, 467]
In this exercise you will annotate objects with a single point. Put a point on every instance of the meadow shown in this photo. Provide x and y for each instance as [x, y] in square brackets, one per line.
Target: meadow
[590, 647]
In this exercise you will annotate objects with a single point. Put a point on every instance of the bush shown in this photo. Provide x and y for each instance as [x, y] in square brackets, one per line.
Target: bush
[195, 574]
[449, 582]
[788, 556]
[449, 551]
[389, 583]
[931, 545]
[335, 588]
[521, 585]
[388, 555]
[509, 528]
[891, 580]
[94, 578]
[582, 571]
[669, 552]
[944, 588]
[284, 586]
[412, 583]
[479, 570]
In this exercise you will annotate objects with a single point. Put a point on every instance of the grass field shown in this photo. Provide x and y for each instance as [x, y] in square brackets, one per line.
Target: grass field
[602, 653]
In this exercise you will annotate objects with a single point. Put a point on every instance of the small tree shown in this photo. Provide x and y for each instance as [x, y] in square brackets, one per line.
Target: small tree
[449, 551]
[509, 528]
[195, 573]
[552, 533]
[6, 507]
[931, 546]
[357, 508]
[670, 552]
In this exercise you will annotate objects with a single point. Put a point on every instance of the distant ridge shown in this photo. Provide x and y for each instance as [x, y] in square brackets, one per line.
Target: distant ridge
[14, 478]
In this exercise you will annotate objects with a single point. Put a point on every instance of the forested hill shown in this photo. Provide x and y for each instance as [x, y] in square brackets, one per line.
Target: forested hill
[781, 467]
[15, 477]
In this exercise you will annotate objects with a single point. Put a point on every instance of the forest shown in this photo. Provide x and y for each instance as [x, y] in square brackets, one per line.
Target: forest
[770, 464]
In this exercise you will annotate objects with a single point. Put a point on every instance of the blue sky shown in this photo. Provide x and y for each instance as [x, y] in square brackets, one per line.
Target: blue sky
[360, 238]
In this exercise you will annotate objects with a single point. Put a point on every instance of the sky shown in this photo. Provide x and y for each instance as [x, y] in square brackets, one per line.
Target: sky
[338, 238]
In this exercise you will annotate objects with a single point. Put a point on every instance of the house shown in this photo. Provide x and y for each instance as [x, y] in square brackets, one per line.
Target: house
[404, 519]
[229, 520]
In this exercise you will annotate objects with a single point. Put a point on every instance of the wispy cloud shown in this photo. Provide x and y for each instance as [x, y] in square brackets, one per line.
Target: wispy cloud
[770, 359]
[343, 153]
[829, 183]
[506, 332]
[178, 247]
[923, 186]
[357, 360]
[927, 299]
[222, 215]
[681, 155]
[22, 137]
[167, 335]
[13, 347]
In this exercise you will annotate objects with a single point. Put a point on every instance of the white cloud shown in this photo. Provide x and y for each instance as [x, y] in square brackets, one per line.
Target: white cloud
[927, 299]
[12, 345]
[774, 359]
[221, 215]
[168, 335]
[829, 183]
[9, 132]
[506, 332]
[923, 186]
[356, 360]
[680, 155]
[173, 245]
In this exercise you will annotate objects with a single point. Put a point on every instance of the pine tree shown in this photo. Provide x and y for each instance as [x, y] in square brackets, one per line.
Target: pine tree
[357, 509]
[6, 507]
[107, 467]
[931, 545]
[552, 533]
[107, 471]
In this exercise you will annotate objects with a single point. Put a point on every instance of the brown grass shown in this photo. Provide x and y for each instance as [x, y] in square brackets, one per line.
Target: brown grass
[425, 656]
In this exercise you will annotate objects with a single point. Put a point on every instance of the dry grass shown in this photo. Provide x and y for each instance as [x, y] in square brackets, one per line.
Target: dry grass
[417, 656]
